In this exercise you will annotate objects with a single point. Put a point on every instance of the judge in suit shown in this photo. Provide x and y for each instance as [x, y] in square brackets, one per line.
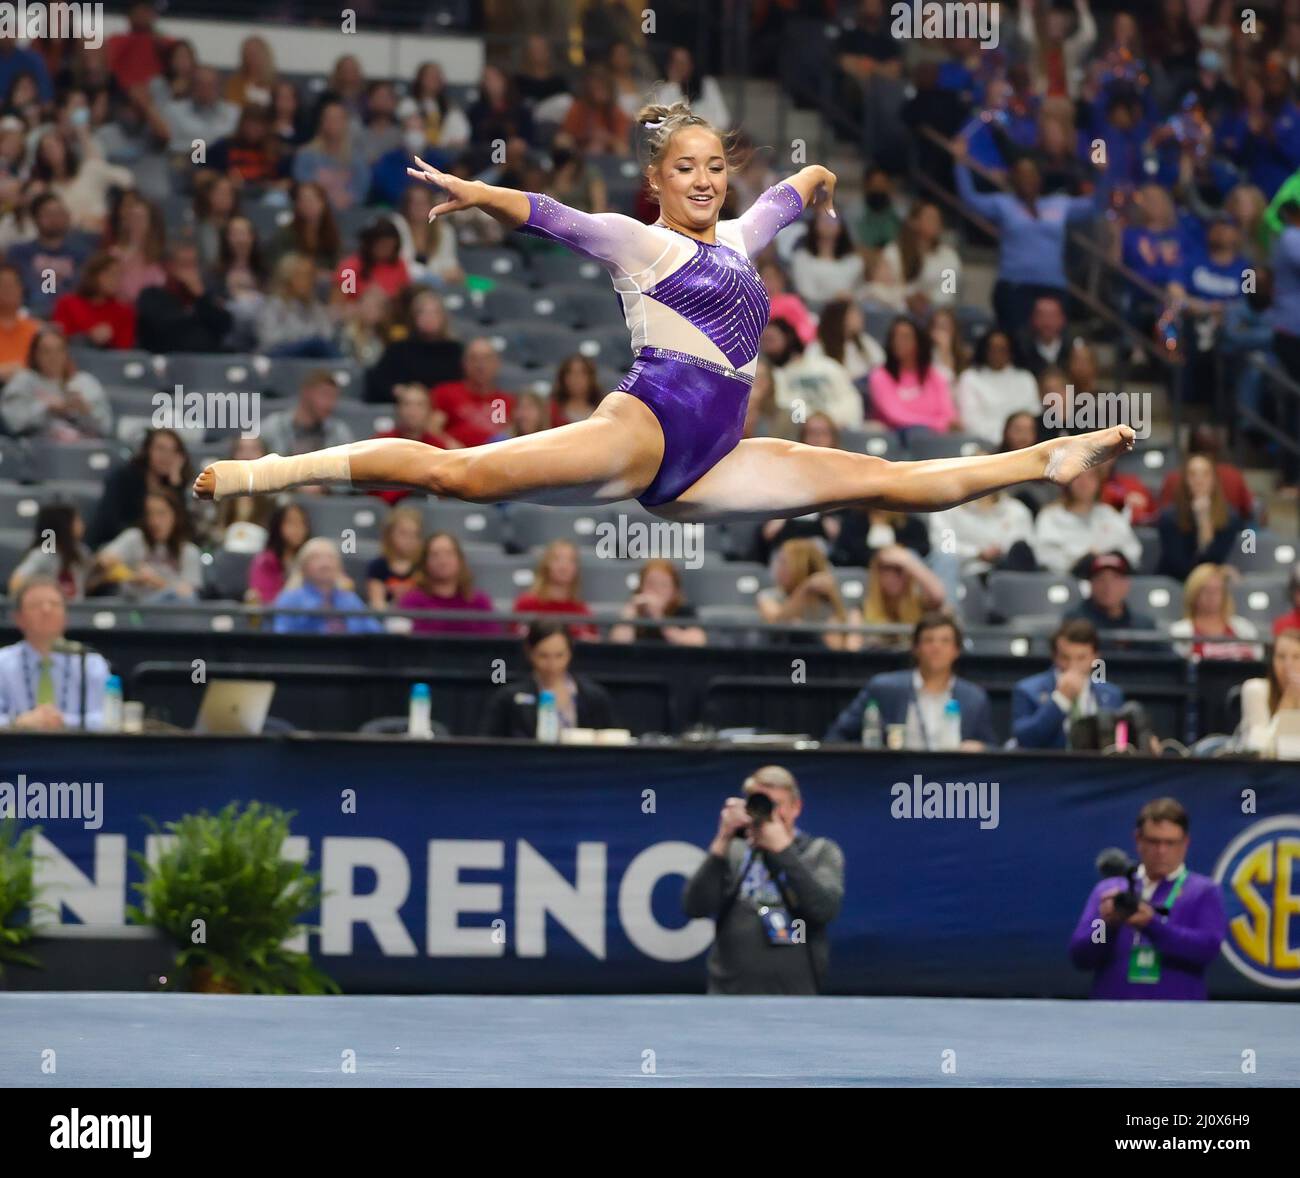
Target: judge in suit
[917, 698]
[40, 686]
[579, 702]
[1044, 705]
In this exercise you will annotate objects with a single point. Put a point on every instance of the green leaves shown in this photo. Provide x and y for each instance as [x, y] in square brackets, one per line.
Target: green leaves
[17, 893]
[225, 870]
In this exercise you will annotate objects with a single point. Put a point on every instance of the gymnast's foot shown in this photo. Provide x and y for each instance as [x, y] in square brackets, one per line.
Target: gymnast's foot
[223, 479]
[1067, 458]
[272, 473]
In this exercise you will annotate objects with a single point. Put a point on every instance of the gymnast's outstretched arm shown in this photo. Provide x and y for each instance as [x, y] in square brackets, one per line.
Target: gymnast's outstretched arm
[623, 245]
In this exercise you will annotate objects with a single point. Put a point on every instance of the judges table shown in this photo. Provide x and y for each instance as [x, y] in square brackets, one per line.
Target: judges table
[505, 866]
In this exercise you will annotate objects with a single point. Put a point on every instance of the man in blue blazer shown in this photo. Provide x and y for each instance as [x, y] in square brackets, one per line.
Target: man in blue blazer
[1043, 705]
[936, 645]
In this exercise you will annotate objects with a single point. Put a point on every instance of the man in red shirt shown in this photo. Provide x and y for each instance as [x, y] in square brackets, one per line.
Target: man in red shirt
[137, 57]
[477, 411]
[418, 421]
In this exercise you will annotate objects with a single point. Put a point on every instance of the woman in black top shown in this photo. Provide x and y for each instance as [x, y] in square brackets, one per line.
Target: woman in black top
[579, 702]
[161, 464]
[426, 355]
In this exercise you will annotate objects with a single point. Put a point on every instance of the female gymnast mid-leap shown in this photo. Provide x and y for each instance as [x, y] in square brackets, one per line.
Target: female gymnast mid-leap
[670, 434]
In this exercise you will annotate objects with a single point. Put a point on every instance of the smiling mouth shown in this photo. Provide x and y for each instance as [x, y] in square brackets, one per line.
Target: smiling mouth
[701, 199]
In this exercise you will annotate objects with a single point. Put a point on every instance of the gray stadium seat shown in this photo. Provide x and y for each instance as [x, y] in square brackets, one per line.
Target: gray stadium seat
[533, 525]
[492, 261]
[284, 375]
[78, 461]
[364, 420]
[354, 563]
[332, 515]
[1150, 539]
[923, 446]
[1262, 597]
[853, 585]
[1159, 597]
[211, 373]
[532, 344]
[735, 584]
[1149, 463]
[468, 522]
[128, 368]
[13, 460]
[1272, 553]
[506, 302]
[609, 581]
[1016, 595]
[227, 574]
[973, 600]
[18, 508]
[880, 443]
[608, 347]
[502, 577]
[14, 543]
[588, 306]
[563, 268]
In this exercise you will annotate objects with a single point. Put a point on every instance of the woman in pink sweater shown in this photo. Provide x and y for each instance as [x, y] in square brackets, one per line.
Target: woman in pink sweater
[907, 390]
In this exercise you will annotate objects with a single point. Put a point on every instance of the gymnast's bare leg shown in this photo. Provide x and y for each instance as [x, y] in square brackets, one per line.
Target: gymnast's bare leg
[615, 453]
[766, 478]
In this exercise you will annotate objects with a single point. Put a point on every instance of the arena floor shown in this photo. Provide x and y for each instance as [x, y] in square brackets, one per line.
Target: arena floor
[182, 1040]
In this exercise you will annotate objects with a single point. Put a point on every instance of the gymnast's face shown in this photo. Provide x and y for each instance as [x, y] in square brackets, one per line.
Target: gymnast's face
[691, 180]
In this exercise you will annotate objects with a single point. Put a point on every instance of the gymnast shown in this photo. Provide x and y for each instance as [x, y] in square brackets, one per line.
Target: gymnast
[670, 434]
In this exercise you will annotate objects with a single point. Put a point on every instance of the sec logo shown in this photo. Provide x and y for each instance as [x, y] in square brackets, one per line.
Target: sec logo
[1259, 872]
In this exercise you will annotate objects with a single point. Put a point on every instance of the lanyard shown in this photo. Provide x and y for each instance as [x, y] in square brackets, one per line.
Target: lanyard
[1168, 905]
[920, 713]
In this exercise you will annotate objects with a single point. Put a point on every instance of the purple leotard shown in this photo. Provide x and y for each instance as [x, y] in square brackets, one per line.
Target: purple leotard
[695, 312]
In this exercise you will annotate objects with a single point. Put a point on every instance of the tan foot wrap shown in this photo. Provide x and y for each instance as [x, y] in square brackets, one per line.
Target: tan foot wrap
[273, 473]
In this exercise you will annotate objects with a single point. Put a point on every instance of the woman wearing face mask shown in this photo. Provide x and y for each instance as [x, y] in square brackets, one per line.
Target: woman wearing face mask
[670, 436]
[573, 181]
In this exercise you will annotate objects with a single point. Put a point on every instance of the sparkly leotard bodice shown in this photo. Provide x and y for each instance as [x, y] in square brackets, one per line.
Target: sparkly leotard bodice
[695, 312]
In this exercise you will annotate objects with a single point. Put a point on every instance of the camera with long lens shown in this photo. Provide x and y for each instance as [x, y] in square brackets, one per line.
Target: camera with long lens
[1112, 863]
[759, 808]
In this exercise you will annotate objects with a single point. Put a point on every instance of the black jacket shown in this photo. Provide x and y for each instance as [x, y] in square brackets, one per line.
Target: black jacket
[413, 361]
[512, 711]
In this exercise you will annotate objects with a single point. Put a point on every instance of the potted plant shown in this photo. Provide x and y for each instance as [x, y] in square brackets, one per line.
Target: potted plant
[17, 894]
[224, 896]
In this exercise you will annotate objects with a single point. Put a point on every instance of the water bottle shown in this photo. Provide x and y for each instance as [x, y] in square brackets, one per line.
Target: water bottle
[113, 704]
[952, 724]
[872, 736]
[548, 719]
[418, 723]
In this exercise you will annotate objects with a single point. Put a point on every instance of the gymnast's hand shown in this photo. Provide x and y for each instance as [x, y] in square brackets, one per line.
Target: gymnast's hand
[465, 194]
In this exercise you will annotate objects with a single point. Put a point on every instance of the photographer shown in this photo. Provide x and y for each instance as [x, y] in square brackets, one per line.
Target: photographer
[1154, 936]
[772, 892]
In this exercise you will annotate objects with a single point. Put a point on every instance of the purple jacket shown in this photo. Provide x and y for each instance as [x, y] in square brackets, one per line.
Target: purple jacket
[1188, 939]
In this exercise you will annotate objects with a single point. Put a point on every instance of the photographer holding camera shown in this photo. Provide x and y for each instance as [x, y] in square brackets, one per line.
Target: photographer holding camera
[1151, 929]
[771, 888]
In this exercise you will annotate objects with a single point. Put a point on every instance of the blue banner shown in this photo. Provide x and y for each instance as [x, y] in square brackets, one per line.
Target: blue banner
[502, 867]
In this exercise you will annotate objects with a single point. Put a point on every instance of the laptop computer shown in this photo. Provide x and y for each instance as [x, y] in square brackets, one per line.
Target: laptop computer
[237, 706]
